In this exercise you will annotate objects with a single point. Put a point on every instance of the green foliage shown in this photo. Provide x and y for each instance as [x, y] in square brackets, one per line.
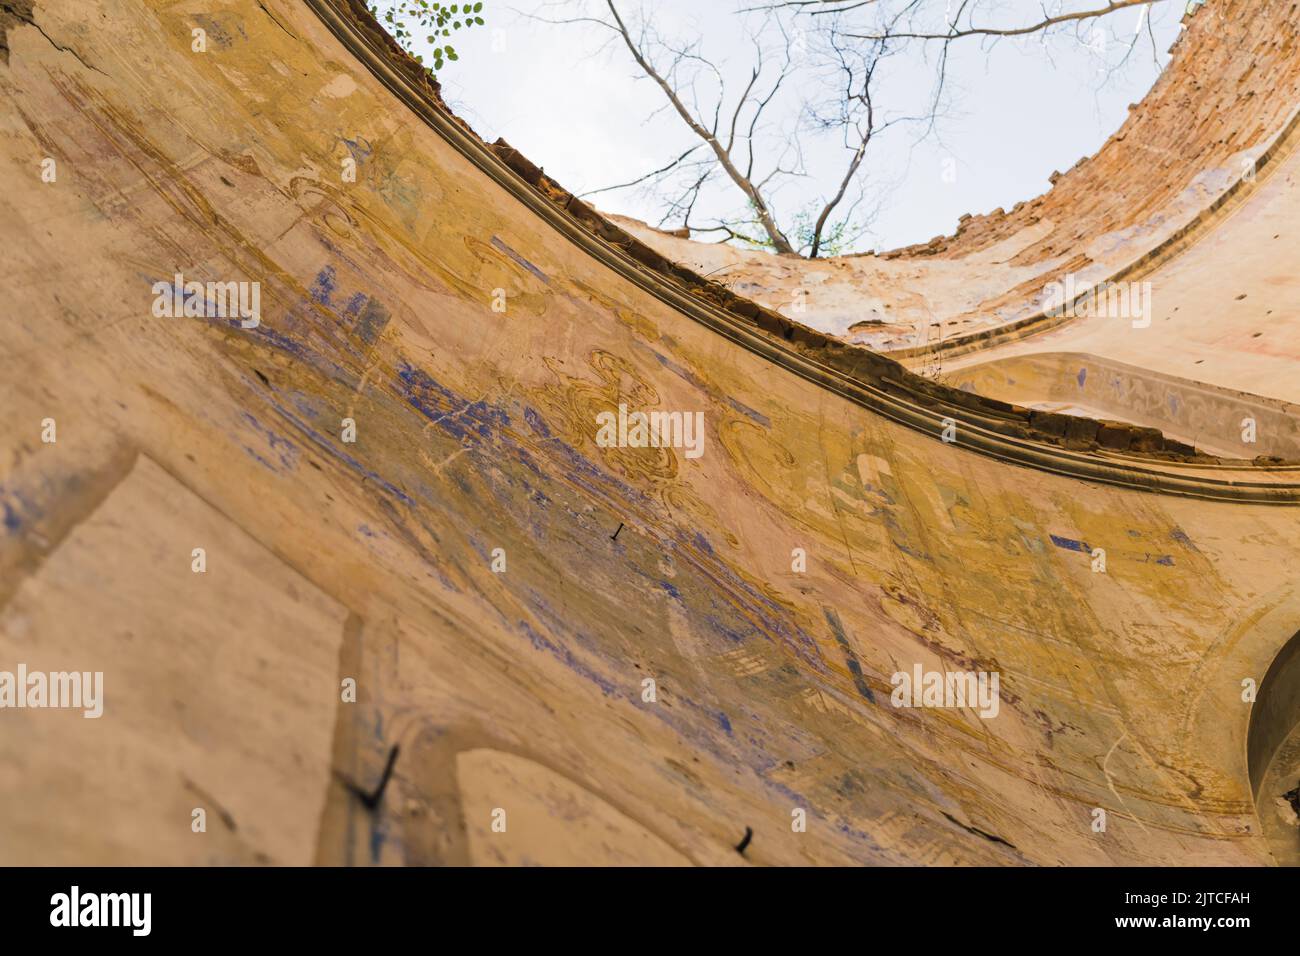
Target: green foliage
[408, 19]
[837, 235]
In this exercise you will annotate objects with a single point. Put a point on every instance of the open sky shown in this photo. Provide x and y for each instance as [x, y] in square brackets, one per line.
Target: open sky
[571, 98]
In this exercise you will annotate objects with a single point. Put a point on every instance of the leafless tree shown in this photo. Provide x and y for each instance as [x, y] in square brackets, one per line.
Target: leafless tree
[960, 15]
[942, 23]
[967, 11]
[722, 144]
[844, 48]
[727, 127]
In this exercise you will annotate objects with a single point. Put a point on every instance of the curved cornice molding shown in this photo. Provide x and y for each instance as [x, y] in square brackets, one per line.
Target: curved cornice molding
[868, 379]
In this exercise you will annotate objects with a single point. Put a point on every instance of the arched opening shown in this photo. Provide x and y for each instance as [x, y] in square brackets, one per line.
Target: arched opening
[1273, 754]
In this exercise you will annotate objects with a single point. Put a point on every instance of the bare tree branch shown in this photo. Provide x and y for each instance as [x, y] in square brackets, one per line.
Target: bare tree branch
[640, 179]
[1046, 23]
[763, 213]
[847, 55]
[864, 134]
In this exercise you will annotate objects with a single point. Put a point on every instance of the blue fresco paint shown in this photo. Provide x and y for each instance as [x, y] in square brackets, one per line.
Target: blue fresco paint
[851, 659]
[497, 243]
[1071, 545]
[919, 555]
[327, 446]
[11, 520]
[695, 380]
[284, 449]
[324, 286]
[566, 657]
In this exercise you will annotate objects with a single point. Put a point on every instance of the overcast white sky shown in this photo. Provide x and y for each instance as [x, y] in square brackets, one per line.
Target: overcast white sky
[578, 106]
